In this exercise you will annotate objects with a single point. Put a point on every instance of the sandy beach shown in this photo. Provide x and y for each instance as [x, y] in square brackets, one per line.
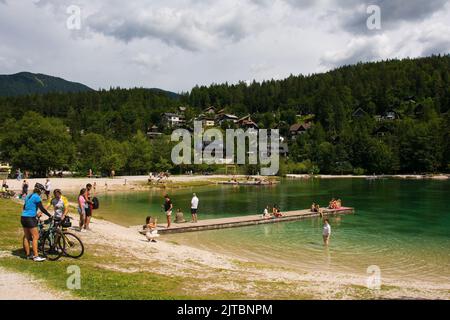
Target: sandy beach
[123, 183]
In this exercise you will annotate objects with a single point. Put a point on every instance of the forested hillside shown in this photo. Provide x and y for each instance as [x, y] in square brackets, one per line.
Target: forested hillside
[401, 123]
[24, 83]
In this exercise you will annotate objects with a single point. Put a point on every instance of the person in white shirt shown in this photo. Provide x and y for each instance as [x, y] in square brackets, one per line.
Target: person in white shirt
[48, 188]
[266, 214]
[326, 232]
[194, 208]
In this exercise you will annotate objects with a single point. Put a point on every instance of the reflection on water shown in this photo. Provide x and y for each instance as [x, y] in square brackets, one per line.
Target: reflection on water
[401, 226]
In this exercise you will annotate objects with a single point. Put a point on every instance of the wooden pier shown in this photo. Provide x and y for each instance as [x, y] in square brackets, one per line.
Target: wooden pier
[233, 222]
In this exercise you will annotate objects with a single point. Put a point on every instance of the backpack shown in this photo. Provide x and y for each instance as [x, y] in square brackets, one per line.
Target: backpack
[95, 203]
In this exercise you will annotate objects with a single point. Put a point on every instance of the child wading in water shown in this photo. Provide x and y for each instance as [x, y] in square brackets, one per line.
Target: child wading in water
[326, 232]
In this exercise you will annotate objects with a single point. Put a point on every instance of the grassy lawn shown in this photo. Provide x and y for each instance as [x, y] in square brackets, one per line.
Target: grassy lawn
[96, 282]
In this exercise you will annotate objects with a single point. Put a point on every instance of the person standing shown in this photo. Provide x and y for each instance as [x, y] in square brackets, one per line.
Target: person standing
[89, 206]
[29, 221]
[60, 204]
[168, 207]
[326, 232]
[194, 207]
[24, 189]
[48, 188]
[82, 208]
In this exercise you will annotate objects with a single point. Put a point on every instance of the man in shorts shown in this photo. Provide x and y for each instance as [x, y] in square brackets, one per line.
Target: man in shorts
[88, 206]
[194, 208]
[168, 207]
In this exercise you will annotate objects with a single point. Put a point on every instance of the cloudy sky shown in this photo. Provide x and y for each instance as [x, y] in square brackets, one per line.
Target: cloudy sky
[176, 44]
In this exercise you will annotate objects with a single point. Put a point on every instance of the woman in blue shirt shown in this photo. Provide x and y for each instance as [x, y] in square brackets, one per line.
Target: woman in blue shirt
[30, 222]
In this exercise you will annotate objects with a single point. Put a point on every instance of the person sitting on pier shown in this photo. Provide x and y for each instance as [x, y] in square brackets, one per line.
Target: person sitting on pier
[314, 207]
[266, 214]
[338, 204]
[277, 212]
[150, 229]
[179, 217]
[333, 204]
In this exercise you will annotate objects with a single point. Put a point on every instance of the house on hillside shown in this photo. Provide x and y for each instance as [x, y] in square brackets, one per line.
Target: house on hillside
[299, 129]
[223, 117]
[153, 133]
[208, 120]
[173, 120]
[209, 111]
[247, 123]
[359, 113]
[391, 115]
[382, 131]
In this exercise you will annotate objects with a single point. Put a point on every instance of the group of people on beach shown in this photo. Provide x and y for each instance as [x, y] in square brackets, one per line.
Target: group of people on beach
[33, 208]
[150, 227]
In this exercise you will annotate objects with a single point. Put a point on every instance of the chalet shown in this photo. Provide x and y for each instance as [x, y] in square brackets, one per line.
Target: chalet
[173, 120]
[359, 113]
[221, 111]
[246, 123]
[210, 111]
[299, 129]
[153, 132]
[182, 110]
[382, 131]
[391, 115]
[208, 120]
[222, 118]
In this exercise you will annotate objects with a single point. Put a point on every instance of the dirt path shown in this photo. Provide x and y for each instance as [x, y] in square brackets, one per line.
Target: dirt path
[17, 286]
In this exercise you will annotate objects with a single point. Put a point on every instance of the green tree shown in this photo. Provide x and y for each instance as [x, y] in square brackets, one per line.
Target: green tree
[36, 144]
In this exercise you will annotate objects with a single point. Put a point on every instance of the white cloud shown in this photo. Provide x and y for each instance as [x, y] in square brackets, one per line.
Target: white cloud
[176, 44]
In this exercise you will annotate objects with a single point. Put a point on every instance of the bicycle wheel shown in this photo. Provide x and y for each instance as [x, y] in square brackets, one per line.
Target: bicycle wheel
[73, 246]
[51, 247]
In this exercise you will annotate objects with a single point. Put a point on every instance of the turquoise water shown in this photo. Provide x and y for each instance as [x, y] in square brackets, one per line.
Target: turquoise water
[402, 226]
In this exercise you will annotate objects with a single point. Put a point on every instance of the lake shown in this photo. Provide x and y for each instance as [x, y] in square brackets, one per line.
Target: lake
[401, 226]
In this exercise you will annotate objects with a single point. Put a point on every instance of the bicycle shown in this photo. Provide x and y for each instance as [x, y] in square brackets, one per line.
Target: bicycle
[50, 243]
[56, 241]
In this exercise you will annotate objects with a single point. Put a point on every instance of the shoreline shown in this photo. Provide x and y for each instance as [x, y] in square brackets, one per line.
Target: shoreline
[127, 183]
[140, 183]
[440, 177]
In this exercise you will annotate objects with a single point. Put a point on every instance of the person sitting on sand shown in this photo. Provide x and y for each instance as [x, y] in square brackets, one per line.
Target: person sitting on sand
[150, 228]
